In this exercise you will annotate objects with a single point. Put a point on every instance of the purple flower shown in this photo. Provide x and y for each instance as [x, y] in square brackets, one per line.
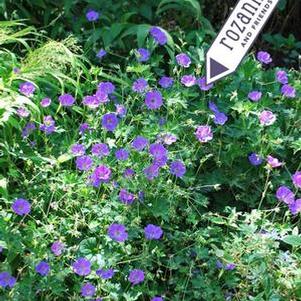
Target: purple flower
[128, 173]
[220, 118]
[106, 87]
[92, 15]
[22, 112]
[166, 82]
[57, 248]
[296, 178]
[255, 95]
[101, 53]
[126, 197]
[157, 150]
[105, 274]
[45, 102]
[118, 232]
[21, 207]
[157, 299]
[139, 143]
[204, 133]
[122, 154]
[28, 129]
[143, 55]
[16, 70]
[285, 195]
[136, 276]
[101, 96]
[167, 138]
[264, 57]
[120, 110]
[66, 100]
[188, 80]
[27, 88]
[84, 163]
[158, 35]
[153, 232]
[48, 126]
[273, 162]
[109, 121]
[230, 266]
[140, 85]
[141, 195]
[288, 91]
[88, 290]
[6, 280]
[267, 118]
[255, 159]
[160, 162]
[202, 84]
[78, 149]
[177, 168]
[84, 127]
[91, 101]
[295, 207]
[219, 265]
[183, 60]
[42, 268]
[100, 150]
[153, 100]
[101, 174]
[151, 171]
[281, 77]
[82, 267]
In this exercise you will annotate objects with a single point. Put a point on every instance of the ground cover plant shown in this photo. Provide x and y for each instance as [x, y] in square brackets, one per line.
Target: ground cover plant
[125, 177]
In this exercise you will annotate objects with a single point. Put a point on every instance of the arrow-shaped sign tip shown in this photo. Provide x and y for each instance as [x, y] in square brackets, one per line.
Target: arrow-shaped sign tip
[216, 70]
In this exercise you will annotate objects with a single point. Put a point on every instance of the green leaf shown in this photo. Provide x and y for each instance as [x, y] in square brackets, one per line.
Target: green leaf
[293, 240]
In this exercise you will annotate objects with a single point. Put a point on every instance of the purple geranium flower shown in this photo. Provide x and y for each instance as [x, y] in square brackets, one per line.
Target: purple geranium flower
[101, 53]
[273, 162]
[101, 174]
[288, 91]
[166, 82]
[105, 274]
[27, 88]
[178, 169]
[84, 163]
[230, 266]
[122, 154]
[91, 101]
[151, 171]
[6, 280]
[57, 248]
[264, 57]
[109, 121]
[48, 126]
[106, 87]
[281, 77]
[126, 197]
[82, 266]
[167, 138]
[188, 80]
[21, 207]
[42, 268]
[78, 149]
[128, 173]
[45, 102]
[22, 112]
[92, 15]
[120, 110]
[219, 265]
[100, 150]
[157, 150]
[202, 84]
[139, 143]
[66, 100]
[136, 276]
[296, 178]
[28, 129]
[295, 207]
[204, 133]
[153, 232]
[158, 35]
[157, 299]
[183, 60]
[118, 232]
[267, 118]
[285, 195]
[255, 159]
[84, 127]
[220, 118]
[140, 85]
[153, 100]
[143, 55]
[255, 95]
[88, 290]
